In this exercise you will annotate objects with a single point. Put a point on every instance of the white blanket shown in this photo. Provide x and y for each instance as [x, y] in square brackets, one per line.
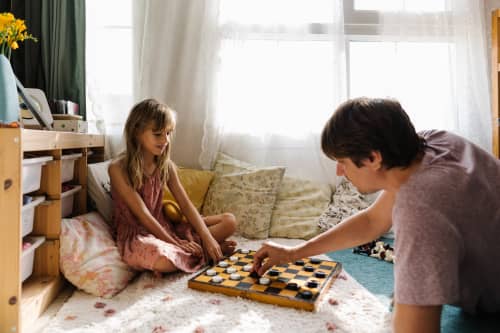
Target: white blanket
[166, 304]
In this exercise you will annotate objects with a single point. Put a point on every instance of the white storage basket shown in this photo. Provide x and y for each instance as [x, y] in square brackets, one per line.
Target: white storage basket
[28, 215]
[32, 172]
[68, 166]
[67, 199]
[28, 256]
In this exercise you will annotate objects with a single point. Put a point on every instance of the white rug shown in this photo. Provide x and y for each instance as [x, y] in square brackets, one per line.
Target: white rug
[166, 304]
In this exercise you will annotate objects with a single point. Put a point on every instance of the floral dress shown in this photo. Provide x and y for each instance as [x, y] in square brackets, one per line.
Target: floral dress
[139, 248]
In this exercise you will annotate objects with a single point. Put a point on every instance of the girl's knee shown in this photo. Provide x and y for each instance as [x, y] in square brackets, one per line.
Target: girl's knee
[164, 265]
[229, 221]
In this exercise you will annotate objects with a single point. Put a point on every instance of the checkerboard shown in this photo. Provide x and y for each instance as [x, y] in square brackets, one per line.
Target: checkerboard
[278, 290]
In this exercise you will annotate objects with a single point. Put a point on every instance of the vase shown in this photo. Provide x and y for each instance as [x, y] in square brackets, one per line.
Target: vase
[9, 104]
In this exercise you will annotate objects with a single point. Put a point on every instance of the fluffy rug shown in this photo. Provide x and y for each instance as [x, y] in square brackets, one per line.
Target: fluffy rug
[166, 304]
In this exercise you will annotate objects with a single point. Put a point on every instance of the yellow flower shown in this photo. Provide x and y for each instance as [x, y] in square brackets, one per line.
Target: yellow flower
[12, 31]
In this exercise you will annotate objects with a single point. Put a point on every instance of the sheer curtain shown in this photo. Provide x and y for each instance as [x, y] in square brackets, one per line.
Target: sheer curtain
[281, 72]
[109, 68]
[432, 56]
[258, 79]
[175, 44]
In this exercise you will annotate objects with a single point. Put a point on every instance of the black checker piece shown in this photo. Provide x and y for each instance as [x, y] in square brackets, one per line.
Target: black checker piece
[273, 290]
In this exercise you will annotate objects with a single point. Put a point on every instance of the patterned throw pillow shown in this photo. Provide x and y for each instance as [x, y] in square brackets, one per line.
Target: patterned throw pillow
[89, 257]
[299, 205]
[226, 164]
[346, 201]
[246, 191]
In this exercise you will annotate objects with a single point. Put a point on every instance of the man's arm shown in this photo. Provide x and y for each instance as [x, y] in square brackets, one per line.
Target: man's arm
[416, 318]
[355, 230]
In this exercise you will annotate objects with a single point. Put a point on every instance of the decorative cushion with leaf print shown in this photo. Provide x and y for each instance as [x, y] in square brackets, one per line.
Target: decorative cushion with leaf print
[246, 191]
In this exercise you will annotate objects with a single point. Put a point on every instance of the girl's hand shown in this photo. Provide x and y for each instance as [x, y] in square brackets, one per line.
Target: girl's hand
[191, 247]
[212, 248]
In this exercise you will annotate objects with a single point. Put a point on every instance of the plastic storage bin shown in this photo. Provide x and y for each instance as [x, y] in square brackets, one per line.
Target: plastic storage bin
[68, 166]
[28, 256]
[32, 172]
[28, 215]
[67, 199]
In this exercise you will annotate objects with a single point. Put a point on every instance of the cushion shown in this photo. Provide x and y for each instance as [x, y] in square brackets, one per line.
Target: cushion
[226, 164]
[346, 201]
[99, 189]
[196, 183]
[89, 257]
[246, 191]
[299, 205]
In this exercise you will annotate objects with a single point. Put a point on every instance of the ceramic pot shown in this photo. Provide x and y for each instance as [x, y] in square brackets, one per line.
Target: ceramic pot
[9, 103]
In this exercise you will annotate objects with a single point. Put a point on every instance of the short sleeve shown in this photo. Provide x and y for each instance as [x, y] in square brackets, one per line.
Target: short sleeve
[428, 252]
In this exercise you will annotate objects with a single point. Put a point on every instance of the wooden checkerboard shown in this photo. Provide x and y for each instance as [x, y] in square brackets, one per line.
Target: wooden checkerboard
[279, 291]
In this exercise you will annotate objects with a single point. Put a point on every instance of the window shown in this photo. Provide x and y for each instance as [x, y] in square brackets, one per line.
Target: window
[276, 66]
[405, 56]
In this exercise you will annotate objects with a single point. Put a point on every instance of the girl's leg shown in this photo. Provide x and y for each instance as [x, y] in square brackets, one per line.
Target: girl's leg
[164, 265]
[221, 227]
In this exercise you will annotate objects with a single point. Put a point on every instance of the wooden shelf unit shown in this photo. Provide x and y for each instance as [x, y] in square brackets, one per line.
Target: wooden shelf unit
[495, 73]
[22, 303]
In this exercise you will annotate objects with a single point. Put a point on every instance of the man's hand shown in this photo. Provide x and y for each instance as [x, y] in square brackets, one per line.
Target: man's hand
[274, 253]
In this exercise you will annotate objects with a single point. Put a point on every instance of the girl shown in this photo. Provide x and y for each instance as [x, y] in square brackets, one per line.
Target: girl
[145, 238]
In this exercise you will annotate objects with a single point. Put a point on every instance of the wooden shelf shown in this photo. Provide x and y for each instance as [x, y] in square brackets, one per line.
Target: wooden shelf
[22, 303]
[38, 292]
[47, 140]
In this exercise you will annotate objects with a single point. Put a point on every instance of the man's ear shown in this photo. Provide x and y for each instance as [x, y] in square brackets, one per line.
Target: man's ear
[375, 160]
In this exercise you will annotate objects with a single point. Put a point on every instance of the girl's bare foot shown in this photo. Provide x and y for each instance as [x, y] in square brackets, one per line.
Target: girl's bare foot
[227, 247]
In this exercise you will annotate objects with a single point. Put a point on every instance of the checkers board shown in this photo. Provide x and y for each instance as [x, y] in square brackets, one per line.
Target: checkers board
[290, 287]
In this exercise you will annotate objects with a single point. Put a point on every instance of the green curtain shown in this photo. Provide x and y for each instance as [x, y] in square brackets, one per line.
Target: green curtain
[56, 63]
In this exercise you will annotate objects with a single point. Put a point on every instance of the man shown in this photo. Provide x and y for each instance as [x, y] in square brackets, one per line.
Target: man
[441, 194]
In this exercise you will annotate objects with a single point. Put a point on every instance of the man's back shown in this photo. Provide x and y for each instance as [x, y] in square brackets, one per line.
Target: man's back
[447, 223]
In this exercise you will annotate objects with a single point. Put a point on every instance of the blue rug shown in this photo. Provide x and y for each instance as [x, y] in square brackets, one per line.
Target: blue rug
[377, 276]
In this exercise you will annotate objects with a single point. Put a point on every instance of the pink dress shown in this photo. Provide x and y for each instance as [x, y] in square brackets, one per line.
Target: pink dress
[139, 248]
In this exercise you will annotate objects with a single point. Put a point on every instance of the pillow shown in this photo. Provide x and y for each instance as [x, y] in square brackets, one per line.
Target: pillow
[346, 201]
[196, 183]
[89, 257]
[299, 205]
[99, 189]
[246, 191]
[226, 164]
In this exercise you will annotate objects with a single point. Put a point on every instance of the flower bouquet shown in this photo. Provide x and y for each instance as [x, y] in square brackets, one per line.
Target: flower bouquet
[12, 31]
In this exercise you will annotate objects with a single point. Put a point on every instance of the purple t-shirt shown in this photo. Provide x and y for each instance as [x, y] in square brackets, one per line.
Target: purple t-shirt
[446, 220]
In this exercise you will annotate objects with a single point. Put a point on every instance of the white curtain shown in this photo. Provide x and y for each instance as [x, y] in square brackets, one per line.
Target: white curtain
[258, 79]
[438, 65]
[175, 43]
[281, 73]
[109, 69]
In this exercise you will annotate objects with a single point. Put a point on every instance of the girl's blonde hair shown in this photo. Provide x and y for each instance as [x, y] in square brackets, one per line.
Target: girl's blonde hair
[149, 112]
